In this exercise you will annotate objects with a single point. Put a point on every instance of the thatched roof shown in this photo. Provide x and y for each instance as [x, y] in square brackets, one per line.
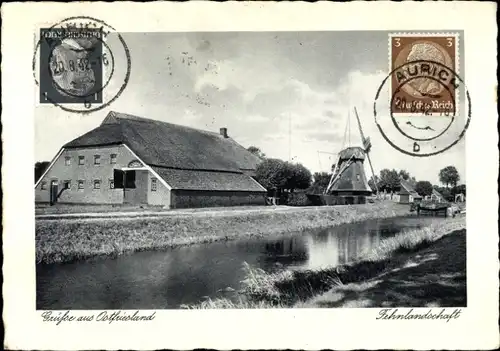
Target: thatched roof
[180, 179]
[407, 188]
[437, 194]
[355, 151]
[169, 145]
[186, 158]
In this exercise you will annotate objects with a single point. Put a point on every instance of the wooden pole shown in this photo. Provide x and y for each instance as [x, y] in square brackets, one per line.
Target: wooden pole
[367, 151]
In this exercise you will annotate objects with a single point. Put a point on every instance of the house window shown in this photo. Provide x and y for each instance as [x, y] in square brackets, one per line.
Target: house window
[134, 164]
[67, 184]
[357, 177]
[97, 159]
[97, 184]
[81, 160]
[67, 160]
[44, 186]
[80, 184]
[111, 184]
[113, 159]
[153, 184]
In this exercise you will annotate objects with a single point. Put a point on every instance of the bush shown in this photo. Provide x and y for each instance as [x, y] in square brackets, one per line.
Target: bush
[298, 199]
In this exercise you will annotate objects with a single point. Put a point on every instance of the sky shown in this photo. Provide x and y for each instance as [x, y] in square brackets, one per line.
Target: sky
[288, 93]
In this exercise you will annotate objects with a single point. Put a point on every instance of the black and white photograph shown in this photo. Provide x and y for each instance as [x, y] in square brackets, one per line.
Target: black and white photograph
[323, 170]
[232, 178]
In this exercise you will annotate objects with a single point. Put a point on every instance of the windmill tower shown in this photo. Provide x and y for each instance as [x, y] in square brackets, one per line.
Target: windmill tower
[348, 184]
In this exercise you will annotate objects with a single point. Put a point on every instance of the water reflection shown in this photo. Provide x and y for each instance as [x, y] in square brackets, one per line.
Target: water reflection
[286, 251]
[167, 279]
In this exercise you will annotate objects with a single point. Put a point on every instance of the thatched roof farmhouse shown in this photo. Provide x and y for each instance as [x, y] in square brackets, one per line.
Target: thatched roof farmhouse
[134, 160]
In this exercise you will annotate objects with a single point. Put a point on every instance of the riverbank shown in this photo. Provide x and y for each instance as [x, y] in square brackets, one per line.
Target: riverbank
[68, 239]
[417, 268]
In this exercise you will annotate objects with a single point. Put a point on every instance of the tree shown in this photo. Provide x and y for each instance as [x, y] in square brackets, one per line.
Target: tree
[389, 180]
[423, 188]
[256, 151]
[372, 183]
[449, 176]
[277, 175]
[320, 182]
[272, 173]
[404, 174]
[299, 177]
[40, 167]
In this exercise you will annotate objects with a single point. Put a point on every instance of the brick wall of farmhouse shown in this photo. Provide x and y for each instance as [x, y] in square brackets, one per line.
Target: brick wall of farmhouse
[88, 173]
[189, 199]
[159, 197]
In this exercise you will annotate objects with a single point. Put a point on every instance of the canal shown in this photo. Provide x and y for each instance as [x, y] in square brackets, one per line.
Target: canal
[187, 275]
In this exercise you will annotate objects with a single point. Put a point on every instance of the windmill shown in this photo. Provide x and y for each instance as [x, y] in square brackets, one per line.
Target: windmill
[348, 183]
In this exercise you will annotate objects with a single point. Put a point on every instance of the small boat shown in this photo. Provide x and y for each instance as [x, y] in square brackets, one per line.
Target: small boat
[435, 208]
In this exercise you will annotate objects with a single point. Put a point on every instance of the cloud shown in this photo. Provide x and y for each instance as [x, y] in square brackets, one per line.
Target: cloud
[322, 136]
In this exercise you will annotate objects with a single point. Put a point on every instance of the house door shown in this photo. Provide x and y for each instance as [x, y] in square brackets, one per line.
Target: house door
[128, 187]
[135, 187]
[54, 189]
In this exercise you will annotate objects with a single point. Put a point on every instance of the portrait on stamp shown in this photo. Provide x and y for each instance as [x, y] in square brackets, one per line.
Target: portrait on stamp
[422, 66]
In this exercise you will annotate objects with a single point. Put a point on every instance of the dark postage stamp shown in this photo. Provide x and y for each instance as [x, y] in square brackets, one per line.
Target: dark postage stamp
[429, 54]
[71, 65]
[75, 64]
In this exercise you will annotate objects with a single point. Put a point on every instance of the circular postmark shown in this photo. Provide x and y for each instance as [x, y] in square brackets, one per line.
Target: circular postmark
[81, 64]
[422, 115]
[424, 109]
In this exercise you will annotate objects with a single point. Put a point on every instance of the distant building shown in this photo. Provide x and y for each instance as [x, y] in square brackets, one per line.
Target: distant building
[133, 160]
[437, 196]
[407, 194]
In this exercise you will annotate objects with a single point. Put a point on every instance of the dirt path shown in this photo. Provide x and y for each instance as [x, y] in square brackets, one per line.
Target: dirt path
[206, 212]
[435, 276]
[148, 213]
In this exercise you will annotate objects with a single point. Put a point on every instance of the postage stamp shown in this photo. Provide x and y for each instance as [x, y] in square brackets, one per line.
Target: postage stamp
[74, 65]
[421, 65]
[425, 115]
[71, 65]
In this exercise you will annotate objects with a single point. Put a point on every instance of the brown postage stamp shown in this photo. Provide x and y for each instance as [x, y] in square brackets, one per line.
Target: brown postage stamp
[423, 67]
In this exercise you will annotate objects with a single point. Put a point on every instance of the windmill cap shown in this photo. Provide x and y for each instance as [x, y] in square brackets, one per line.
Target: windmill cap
[349, 152]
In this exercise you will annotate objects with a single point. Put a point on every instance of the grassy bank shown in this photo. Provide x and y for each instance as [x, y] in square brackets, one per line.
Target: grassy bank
[423, 267]
[72, 239]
